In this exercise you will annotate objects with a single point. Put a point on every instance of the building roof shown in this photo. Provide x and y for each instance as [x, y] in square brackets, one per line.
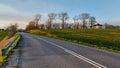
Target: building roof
[97, 24]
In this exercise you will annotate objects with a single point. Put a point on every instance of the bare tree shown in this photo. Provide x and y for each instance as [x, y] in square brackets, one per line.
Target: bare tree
[37, 18]
[56, 25]
[12, 29]
[84, 17]
[51, 16]
[63, 16]
[31, 25]
[48, 23]
[76, 23]
[42, 26]
[92, 21]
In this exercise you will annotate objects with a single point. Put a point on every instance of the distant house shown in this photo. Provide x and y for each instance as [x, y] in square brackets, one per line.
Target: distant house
[97, 26]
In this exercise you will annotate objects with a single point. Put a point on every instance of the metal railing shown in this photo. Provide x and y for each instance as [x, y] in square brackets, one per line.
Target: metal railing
[9, 45]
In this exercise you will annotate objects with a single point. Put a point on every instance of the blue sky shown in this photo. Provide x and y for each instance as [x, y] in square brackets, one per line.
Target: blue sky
[22, 11]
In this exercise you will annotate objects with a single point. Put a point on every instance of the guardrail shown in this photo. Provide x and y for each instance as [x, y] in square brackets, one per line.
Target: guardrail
[5, 50]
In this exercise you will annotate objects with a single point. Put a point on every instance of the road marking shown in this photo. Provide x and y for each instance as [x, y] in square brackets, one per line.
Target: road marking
[77, 55]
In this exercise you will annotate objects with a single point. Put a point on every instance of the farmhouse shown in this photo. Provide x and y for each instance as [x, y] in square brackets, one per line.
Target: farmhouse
[97, 26]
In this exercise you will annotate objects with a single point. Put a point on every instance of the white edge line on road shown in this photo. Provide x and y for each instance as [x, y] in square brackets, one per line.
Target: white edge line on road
[77, 55]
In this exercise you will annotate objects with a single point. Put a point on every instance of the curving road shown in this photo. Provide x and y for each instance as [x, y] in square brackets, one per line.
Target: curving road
[44, 52]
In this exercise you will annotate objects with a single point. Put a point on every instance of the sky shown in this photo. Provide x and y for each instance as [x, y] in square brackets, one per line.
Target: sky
[23, 11]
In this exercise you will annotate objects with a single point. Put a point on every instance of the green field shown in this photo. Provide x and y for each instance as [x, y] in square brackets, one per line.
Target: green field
[2, 35]
[107, 39]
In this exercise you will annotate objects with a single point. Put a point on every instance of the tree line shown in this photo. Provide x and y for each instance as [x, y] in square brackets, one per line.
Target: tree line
[80, 21]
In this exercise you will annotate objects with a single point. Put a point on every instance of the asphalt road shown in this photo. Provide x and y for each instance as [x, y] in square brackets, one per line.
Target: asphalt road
[44, 52]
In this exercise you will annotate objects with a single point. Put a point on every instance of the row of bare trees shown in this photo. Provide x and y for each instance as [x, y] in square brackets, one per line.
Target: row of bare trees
[53, 16]
[83, 18]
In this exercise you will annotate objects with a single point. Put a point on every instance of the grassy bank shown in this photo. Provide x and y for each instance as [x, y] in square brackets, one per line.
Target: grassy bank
[7, 53]
[2, 35]
[107, 39]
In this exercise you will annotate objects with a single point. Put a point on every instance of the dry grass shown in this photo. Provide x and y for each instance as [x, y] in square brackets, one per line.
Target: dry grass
[5, 42]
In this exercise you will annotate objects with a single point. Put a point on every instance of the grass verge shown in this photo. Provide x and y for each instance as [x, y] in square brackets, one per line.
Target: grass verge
[105, 39]
[2, 35]
[3, 58]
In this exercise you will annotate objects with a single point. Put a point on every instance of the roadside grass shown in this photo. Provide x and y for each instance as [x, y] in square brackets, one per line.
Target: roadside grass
[39, 32]
[3, 58]
[2, 35]
[106, 39]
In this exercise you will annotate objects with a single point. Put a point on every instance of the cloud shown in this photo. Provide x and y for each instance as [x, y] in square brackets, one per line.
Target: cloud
[5, 24]
[9, 15]
[7, 9]
[24, 11]
[36, 6]
[114, 21]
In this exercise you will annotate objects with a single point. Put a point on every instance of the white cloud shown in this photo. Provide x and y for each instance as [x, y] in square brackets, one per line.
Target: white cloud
[7, 9]
[5, 24]
[16, 13]
[114, 21]
[42, 6]
[9, 15]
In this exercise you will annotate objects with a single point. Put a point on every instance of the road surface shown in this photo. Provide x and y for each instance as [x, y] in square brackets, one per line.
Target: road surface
[44, 52]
